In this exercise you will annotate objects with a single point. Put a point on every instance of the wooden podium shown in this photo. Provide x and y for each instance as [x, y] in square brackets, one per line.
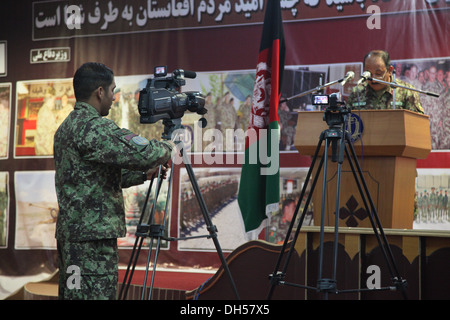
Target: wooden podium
[391, 142]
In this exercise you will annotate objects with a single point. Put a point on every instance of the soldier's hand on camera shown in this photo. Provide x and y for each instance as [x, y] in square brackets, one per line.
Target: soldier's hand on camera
[153, 172]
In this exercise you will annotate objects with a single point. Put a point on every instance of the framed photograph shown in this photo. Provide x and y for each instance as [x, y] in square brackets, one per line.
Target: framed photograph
[3, 59]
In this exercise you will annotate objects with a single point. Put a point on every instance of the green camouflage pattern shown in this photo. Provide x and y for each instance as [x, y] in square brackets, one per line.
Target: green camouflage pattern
[94, 160]
[227, 116]
[377, 100]
[278, 229]
[88, 270]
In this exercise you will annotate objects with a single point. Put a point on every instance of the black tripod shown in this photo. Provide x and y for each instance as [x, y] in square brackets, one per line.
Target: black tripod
[340, 142]
[156, 231]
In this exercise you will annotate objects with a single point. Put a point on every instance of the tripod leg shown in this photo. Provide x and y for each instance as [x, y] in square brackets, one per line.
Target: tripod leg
[276, 276]
[160, 232]
[144, 285]
[340, 159]
[336, 138]
[130, 269]
[141, 233]
[136, 250]
[374, 219]
[322, 214]
[211, 228]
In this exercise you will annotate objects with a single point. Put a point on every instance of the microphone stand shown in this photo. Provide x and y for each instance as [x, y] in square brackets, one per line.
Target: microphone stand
[314, 90]
[395, 85]
[394, 73]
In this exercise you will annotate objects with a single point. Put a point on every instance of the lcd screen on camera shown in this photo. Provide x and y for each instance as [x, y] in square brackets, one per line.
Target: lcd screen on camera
[160, 71]
[320, 99]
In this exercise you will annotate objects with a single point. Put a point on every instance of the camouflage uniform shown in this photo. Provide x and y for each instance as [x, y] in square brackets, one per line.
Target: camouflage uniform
[243, 114]
[443, 113]
[370, 99]
[46, 125]
[4, 128]
[3, 212]
[98, 264]
[94, 159]
[227, 116]
[278, 229]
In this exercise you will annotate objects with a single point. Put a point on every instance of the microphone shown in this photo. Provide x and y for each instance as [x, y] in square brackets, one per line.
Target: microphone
[203, 122]
[347, 77]
[366, 75]
[185, 73]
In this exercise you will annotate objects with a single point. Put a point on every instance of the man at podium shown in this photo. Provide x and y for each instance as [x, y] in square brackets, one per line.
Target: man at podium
[375, 95]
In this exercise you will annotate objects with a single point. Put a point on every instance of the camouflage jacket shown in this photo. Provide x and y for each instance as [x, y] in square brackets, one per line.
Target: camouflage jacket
[94, 160]
[369, 99]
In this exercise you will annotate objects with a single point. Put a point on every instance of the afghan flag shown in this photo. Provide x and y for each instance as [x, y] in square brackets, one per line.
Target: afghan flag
[259, 189]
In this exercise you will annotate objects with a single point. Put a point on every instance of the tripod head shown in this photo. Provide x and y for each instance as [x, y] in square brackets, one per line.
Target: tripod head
[335, 113]
[335, 116]
[170, 125]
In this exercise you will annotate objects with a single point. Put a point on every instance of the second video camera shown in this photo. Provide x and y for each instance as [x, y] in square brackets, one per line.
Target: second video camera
[326, 100]
[162, 97]
[335, 110]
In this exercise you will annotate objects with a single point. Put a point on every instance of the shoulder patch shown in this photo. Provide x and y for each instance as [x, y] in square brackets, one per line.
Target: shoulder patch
[140, 141]
[130, 136]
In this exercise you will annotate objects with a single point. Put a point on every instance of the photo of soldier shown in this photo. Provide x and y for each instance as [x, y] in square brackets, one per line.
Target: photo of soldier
[288, 123]
[211, 115]
[134, 201]
[444, 107]
[36, 210]
[243, 113]
[4, 200]
[115, 114]
[432, 200]
[46, 124]
[4, 119]
[228, 101]
[291, 182]
[219, 187]
[226, 119]
[280, 223]
[41, 107]
[432, 76]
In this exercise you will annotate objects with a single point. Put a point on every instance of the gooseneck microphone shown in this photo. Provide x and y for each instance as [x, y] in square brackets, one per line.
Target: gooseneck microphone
[348, 77]
[366, 75]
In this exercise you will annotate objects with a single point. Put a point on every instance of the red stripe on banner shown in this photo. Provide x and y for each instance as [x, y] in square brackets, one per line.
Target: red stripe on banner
[435, 160]
[275, 83]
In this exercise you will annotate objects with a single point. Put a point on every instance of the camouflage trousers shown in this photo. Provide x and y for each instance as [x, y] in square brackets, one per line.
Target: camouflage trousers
[88, 270]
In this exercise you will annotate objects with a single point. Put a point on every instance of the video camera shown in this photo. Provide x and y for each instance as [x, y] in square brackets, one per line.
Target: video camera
[335, 109]
[162, 99]
[326, 100]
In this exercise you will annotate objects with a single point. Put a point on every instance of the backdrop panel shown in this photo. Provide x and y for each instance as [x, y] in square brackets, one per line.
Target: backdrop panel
[42, 43]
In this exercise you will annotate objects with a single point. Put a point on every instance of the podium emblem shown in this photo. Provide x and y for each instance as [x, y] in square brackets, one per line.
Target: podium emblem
[351, 212]
[354, 126]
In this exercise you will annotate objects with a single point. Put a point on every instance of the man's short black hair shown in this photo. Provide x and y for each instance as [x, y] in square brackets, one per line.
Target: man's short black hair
[89, 77]
[379, 53]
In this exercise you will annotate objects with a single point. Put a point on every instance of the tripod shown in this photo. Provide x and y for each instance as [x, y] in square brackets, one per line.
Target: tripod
[156, 231]
[340, 142]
